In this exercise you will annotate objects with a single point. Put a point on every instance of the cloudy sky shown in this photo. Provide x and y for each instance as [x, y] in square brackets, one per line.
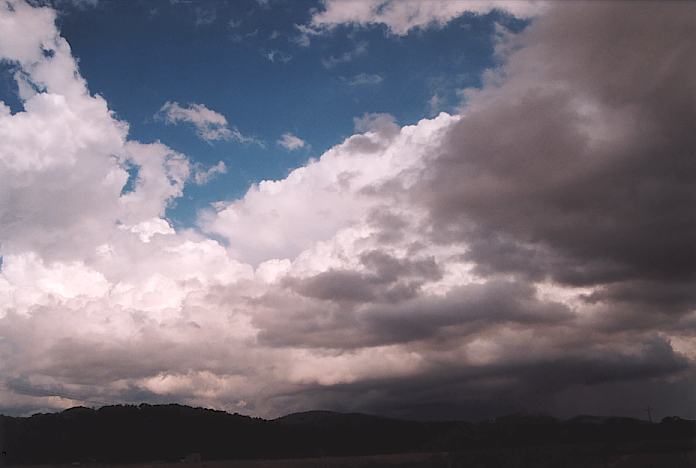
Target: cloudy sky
[418, 209]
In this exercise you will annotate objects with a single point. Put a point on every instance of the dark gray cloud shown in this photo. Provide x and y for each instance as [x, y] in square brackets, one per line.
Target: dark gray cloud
[386, 279]
[457, 315]
[575, 164]
[580, 164]
[598, 379]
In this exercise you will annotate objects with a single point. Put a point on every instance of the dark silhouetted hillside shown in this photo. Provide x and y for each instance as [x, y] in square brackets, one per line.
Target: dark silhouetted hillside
[124, 434]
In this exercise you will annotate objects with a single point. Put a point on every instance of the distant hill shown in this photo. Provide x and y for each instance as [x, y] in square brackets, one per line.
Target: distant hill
[124, 434]
[318, 417]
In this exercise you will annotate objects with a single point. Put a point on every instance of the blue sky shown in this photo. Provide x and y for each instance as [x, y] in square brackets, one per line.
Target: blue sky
[138, 55]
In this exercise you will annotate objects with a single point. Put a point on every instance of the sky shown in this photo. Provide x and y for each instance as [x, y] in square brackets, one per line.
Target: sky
[427, 210]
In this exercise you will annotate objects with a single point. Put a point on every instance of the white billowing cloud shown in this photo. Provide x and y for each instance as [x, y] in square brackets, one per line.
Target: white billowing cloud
[291, 142]
[147, 229]
[24, 29]
[35, 281]
[63, 157]
[19, 36]
[202, 176]
[210, 125]
[162, 174]
[280, 219]
[401, 16]
[80, 256]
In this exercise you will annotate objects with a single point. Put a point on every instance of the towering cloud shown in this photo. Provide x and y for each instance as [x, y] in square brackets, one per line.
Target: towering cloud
[536, 251]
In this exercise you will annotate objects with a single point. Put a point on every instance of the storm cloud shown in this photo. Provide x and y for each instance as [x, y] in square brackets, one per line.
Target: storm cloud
[535, 251]
[579, 153]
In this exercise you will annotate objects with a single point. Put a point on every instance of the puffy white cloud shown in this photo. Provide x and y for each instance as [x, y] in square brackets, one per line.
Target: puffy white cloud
[79, 255]
[280, 219]
[291, 142]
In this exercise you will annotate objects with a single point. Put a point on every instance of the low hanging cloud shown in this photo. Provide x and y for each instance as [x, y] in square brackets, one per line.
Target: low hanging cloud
[534, 252]
[210, 125]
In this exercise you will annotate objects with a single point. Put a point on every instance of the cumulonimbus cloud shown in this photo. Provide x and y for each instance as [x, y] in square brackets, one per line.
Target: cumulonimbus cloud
[534, 252]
